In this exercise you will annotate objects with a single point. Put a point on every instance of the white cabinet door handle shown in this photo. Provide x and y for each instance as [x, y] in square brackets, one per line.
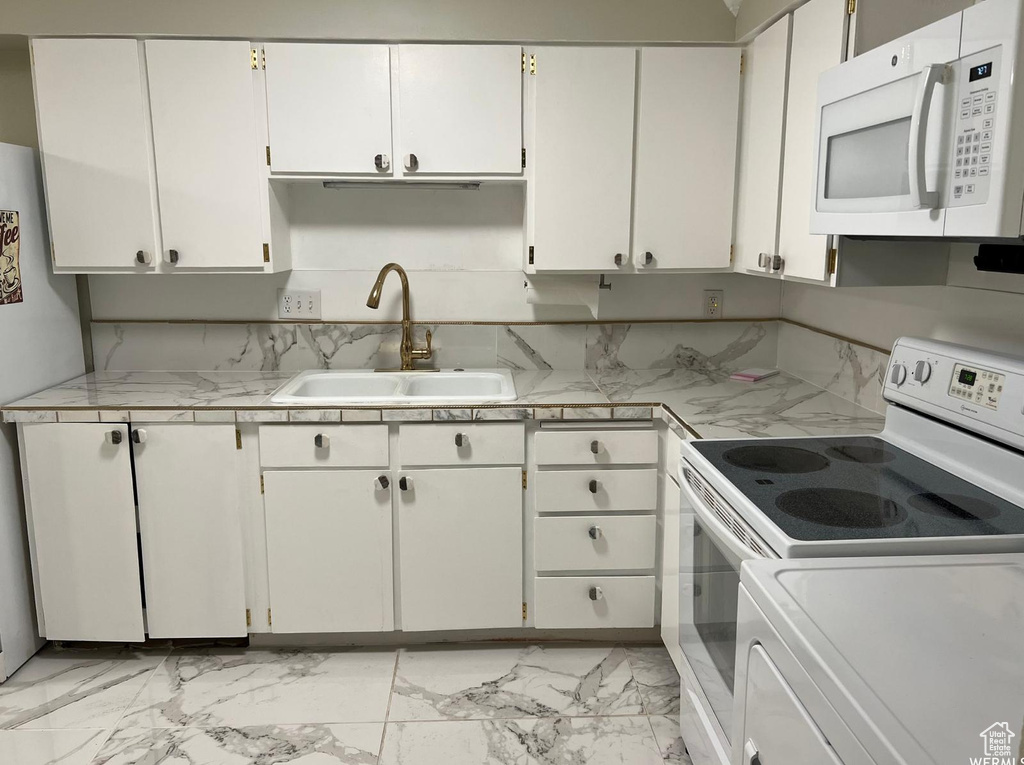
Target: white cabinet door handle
[405, 483]
[139, 436]
[114, 437]
[595, 532]
[595, 447]
[381, 483]
[412, 162]
[461, 439]
[382, 162]
[144, 258]
[594, 485]
[321, 441]
[596, 593]
[171, 257]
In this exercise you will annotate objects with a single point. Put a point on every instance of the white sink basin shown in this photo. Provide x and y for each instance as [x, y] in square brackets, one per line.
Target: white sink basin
[358, 387]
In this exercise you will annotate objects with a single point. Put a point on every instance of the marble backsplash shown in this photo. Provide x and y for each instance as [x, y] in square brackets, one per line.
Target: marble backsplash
[724, 346]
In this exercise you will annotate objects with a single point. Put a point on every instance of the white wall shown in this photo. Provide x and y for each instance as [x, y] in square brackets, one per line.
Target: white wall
[524, 20]
[877, 316]
[17, 110]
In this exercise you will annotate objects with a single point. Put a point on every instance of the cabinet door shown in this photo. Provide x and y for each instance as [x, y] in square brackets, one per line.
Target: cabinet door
[329, 107]
[461, 549]
[204, 132]
[776, 726]
[190, 520]
[82, 516]
[582, 159]
[461, 108]
[329, 551]
[819, 38]
[686, 157]
[764, 101]
[95, 152]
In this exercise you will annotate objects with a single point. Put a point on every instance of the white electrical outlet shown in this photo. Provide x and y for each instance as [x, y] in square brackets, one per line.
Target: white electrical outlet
[298, 304]
[713, 302]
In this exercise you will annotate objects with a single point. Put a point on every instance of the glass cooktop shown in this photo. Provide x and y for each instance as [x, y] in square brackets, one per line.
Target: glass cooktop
[860, 487]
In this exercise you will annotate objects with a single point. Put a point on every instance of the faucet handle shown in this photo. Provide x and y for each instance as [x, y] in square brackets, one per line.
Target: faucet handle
[428, 351]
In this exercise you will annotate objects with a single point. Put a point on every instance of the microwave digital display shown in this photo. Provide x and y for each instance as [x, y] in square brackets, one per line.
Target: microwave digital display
[981, 71]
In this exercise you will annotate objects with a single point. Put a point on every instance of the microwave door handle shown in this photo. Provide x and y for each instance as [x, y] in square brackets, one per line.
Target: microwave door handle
[920, 197]
[721, 531]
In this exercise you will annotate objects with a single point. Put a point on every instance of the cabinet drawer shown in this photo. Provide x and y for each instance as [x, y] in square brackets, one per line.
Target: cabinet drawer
[464, 443]
[597, 447]
[567, 544]
[596, 491]
[340, 446]
[566, 603]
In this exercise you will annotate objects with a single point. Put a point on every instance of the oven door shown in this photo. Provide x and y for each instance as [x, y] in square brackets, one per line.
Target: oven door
[884, 137]
[714, 542]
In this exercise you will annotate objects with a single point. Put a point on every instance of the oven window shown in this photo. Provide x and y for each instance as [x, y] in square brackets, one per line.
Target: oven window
[870, 162]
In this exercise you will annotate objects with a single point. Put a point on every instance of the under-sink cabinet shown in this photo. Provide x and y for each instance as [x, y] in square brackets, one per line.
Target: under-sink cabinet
[81, 496]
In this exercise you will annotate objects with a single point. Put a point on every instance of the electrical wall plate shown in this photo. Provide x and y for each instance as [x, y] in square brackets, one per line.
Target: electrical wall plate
[298, 304]
[713, 302]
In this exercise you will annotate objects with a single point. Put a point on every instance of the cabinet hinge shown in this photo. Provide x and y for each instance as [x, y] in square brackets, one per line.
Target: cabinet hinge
[270, 618]
[254, 58]
[530, 254]
[833, 260]
[261, 484]
[524, 612]
[238, 438]
[743, 60]
[263, 57]
[53, 254]
[533, 63]
[266, 252]
[268, 156]
[524, 158]
[248, 617]
[524, 479]
[732, 253]
[524, 61]
[851, 7]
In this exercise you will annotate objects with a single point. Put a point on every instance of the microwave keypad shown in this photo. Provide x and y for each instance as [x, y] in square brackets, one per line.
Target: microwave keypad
[975, 129]
[977, 386]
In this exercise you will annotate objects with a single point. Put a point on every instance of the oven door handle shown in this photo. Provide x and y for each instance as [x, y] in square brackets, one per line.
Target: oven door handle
[920, 197]
[721, 531]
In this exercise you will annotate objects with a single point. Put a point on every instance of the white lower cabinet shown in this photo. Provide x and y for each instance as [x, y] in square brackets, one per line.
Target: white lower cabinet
[460, 543]
[190, 523]
[581, 602]
[78, 486]
[329, 551]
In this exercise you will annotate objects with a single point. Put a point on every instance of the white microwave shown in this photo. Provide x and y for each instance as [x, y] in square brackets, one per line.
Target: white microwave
[924, 136]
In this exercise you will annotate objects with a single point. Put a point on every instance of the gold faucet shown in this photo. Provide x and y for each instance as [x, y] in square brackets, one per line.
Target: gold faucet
[407, 350]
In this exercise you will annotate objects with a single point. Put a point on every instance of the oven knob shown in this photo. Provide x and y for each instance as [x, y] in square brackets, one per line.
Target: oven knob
[922, 371]
[898, 376]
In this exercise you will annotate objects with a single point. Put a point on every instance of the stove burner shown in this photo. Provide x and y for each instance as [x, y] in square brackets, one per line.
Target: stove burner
[955, 506]
[868, 455]
[841, 508]
[776, 459]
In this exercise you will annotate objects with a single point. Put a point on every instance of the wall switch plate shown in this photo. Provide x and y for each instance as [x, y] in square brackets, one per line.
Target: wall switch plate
[713, 301]
[298, 304]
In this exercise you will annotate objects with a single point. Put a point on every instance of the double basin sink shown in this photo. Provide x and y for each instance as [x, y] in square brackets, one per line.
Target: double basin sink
[427, 387]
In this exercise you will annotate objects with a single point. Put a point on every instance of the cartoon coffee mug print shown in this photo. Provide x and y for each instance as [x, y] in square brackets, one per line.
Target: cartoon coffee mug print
[10, 270]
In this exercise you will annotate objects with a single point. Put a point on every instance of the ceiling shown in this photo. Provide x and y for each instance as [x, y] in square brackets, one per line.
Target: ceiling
[733, 5]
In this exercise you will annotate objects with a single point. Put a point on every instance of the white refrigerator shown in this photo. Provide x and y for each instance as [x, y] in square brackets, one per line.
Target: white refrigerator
[40, 346]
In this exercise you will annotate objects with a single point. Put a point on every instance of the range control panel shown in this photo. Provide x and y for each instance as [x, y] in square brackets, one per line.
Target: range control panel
[975, 147]
[979, 391]
[983, 387]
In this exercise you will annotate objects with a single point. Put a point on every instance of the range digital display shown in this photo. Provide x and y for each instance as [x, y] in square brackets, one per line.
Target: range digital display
[981, 71]
[967, 377]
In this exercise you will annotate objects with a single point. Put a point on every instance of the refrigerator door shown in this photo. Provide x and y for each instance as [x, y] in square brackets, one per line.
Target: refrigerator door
[40, 346]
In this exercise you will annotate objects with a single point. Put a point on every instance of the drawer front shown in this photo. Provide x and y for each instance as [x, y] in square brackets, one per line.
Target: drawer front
[596, 491]
[597, 447]
[462, 443]
[569, 544]
[288, 446]
[566, 603]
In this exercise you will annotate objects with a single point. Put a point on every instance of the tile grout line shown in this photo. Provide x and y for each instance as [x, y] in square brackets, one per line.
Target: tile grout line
[632, 674]
[387, 712]
[114, 728]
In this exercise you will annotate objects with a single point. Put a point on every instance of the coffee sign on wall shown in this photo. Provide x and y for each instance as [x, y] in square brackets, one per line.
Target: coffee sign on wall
[10, 270]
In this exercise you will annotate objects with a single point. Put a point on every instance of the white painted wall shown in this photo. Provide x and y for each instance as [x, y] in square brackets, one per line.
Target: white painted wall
[17, 111]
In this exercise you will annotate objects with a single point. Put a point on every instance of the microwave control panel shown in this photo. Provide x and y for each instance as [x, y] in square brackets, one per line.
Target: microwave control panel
[974, 142]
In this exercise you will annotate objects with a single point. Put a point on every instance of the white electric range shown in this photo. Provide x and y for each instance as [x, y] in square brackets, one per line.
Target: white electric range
[945, 476]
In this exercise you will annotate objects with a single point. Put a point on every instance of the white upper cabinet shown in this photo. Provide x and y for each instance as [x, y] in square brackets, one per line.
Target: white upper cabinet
[93, 137]
[764, 101]
[819, 39]
[329, 108]
[686, 158]
[460, 109]
[204, 133]
[581, 162]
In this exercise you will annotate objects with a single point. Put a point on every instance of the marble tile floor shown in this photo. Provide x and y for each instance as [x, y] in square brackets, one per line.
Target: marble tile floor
[469, 704]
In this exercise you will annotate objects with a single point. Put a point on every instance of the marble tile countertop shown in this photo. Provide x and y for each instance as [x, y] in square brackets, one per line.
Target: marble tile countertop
[708, 404]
